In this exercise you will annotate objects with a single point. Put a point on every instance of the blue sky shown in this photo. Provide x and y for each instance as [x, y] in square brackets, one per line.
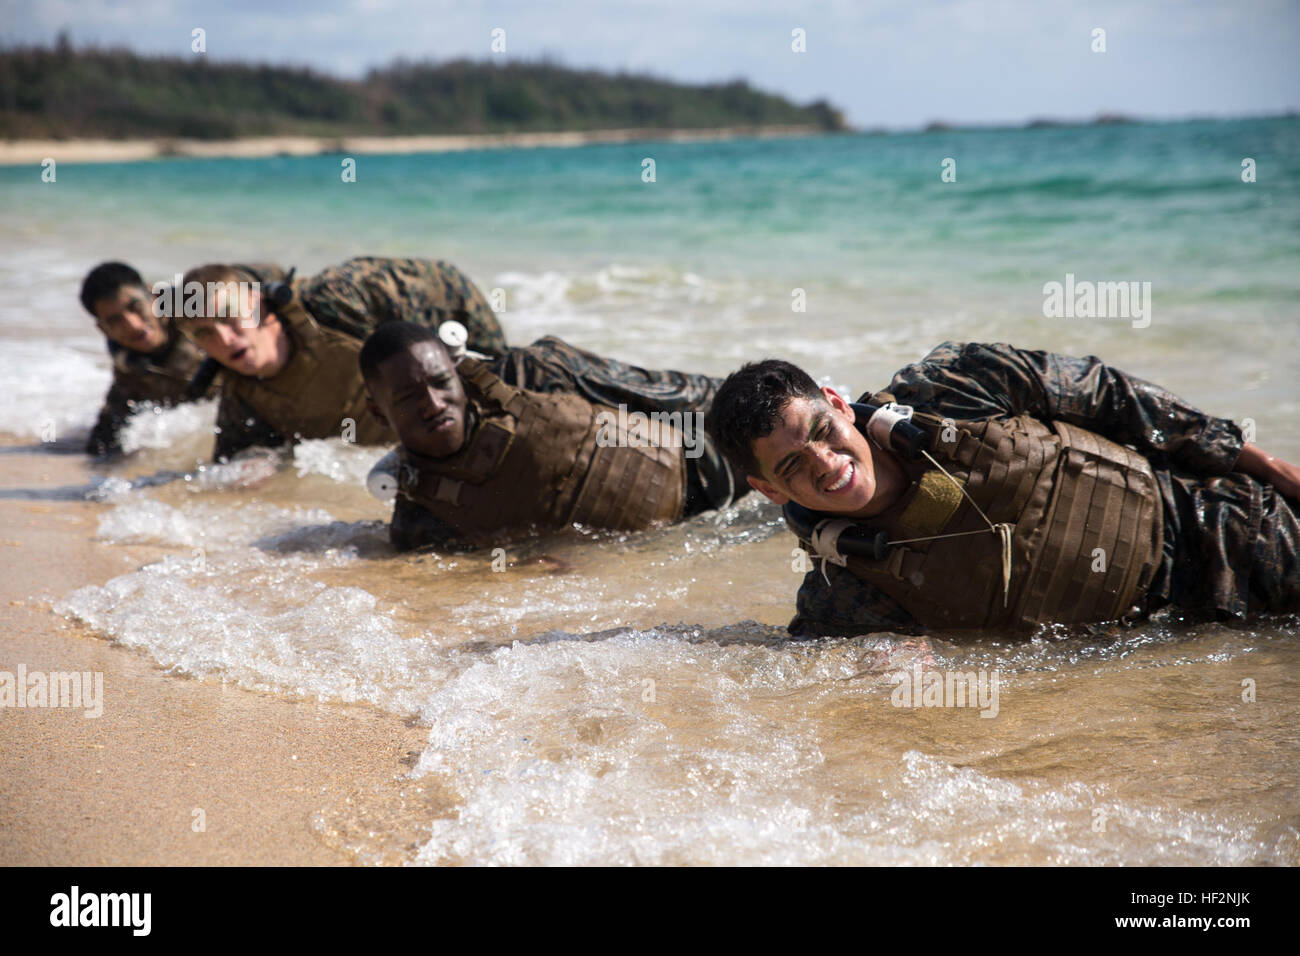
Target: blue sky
[886, 64]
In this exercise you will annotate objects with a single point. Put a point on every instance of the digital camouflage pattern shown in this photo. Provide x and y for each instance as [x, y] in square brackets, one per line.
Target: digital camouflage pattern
[162, 378]
[553, 365]
[1230, 541]
[361, 293]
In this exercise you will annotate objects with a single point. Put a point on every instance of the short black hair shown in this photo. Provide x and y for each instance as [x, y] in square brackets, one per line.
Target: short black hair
[387, 340]
[748, 406]
[104, 280]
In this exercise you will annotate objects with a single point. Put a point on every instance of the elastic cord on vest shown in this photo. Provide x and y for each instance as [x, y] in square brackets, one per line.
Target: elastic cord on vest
[1002, 530]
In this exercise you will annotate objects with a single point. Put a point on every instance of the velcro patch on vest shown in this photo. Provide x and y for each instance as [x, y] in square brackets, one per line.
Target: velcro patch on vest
[490, 445]
[937, 500]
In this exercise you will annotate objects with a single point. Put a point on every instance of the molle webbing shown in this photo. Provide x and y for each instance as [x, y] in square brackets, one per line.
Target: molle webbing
[534, 462]
[1106, 531]
[319, 389]
[1066, 491]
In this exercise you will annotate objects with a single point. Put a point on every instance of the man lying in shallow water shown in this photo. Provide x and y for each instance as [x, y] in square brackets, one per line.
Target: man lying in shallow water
[287, 350]
[536, 440]
[1039, 488]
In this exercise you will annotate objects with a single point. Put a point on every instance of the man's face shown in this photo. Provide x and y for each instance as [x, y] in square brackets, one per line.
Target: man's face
[126, 316]
[238, 340]
[418, 393]
[817, 458]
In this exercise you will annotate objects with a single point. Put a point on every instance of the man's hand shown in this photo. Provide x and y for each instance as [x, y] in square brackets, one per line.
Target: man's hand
[1282, 475]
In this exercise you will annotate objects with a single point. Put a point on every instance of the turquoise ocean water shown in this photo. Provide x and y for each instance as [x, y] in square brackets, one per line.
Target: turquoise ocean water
[699, 267]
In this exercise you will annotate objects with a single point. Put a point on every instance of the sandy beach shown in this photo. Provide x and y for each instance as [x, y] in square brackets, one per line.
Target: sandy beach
[21, 152]
[124, 788]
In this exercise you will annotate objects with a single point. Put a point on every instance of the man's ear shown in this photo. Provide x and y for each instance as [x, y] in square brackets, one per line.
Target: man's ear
[839, 403]
[375, 410]
[768, 491]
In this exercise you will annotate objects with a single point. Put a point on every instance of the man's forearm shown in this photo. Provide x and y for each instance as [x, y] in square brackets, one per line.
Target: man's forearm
[1270, 469]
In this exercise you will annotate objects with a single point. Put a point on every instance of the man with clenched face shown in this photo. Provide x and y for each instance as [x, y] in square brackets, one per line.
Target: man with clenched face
[821, 460]
[493, 449]
[997, 419]
[417, 391]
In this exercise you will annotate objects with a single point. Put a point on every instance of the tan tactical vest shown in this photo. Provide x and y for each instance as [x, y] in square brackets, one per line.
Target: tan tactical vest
[318, 391]
[1087, 524]
[543, 461]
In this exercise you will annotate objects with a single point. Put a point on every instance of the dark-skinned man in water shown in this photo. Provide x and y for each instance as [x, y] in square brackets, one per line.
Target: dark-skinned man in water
[288, 350]
[536, 440]
[991, 487]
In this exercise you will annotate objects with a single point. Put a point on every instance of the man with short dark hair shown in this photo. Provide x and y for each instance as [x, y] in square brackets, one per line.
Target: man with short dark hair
[992, 487]
[541, 438]
[288, 353]
[152, 362]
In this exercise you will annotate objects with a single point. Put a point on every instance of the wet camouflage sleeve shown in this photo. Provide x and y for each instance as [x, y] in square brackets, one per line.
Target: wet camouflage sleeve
[239, 427]
[551, 364]
[415, 527]
[979, 381]
[105, 437]
[163, 380]
[361, 293]
[845, 606]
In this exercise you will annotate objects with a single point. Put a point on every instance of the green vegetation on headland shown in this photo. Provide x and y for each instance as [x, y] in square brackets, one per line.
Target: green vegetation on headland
[58, 92]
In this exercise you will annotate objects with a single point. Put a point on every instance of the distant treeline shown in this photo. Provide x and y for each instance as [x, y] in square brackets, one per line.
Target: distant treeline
[59, 92]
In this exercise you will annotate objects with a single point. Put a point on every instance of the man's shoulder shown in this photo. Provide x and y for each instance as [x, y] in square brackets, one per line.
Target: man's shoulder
[953, 376]
[955, 353]
[156, 377]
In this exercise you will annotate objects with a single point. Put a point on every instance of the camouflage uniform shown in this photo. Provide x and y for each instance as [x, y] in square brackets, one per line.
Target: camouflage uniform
[553, 365]
[354, 298]
[1230, 541]
[162, 377]
[363, 292]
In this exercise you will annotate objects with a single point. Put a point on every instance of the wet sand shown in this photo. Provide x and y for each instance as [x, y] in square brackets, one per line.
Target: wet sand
[536, 742]
[123, 788]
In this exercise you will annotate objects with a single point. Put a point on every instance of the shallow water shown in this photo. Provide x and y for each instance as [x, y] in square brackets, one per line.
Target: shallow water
[597, 700]
[605, 698]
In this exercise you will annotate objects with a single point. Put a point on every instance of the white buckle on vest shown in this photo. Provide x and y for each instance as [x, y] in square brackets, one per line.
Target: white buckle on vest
[826, 539]
[883, 420]
[825, 542]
